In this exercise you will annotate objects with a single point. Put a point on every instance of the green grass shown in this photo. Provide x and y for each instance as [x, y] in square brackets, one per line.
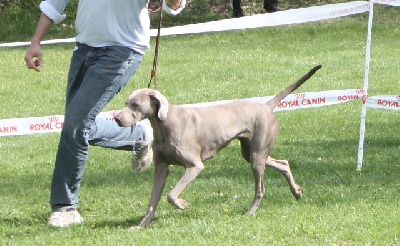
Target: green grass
[339, 207]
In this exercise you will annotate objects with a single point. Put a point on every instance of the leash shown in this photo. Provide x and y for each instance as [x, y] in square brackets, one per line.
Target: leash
[155, 61]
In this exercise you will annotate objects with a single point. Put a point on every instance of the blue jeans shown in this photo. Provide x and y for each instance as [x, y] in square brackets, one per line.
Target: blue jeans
[95, 76]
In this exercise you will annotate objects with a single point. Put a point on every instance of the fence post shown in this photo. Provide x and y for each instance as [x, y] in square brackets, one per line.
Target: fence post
[365, 87]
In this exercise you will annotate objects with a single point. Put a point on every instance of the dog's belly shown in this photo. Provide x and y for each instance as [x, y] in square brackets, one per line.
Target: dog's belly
[186, 152]
[210, 152]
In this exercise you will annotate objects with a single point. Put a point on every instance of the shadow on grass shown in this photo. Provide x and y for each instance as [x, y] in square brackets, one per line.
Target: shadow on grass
[321, 167]
[306, 158]
[118, 223]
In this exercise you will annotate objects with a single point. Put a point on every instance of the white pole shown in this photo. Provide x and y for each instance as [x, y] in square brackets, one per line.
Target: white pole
[366, 76]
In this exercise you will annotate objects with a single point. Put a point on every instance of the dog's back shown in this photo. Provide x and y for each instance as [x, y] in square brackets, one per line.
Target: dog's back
[206, 130]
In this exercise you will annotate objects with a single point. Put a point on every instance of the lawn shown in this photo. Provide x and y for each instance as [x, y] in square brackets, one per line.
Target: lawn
[340, 206]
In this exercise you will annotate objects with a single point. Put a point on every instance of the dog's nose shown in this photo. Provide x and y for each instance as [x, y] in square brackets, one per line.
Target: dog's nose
[117, 120]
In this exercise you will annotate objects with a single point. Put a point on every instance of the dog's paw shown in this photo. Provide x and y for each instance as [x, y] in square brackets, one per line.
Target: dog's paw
[179, 203]
[135, 228]
[182, 203]
[297, 193]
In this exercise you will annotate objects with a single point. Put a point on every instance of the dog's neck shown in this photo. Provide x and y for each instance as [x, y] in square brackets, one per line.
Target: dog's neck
[160, 126]
[155, 122]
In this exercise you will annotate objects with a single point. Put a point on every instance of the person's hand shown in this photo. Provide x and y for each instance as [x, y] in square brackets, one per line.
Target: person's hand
[174, 4]
[33, 57]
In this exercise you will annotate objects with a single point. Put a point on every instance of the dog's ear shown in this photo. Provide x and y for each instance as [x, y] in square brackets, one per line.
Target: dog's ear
[162, 105]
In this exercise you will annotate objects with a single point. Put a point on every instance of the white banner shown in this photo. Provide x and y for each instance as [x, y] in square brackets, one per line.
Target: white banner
[54, 123]
[300, 100]
[292, 16]
[388, 2]
[384, 102]
[45, 124]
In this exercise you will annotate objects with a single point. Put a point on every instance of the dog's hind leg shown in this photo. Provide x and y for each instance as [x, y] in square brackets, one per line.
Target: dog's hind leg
[190, 174]
[245, 148]
[283, 162]
[283, 167]
[257, 162]
[258, 173]
[258, 168]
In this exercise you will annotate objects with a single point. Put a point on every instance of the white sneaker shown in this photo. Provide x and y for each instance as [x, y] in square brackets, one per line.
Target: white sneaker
[64, 218]
[141, 157]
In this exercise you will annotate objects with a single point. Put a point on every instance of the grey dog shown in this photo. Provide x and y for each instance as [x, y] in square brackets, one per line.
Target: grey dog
[188, 136]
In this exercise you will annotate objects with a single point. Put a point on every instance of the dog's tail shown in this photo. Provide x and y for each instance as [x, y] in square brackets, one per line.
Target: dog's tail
[278, 98]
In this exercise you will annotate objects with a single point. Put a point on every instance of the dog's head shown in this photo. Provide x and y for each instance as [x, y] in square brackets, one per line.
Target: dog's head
[143, 104]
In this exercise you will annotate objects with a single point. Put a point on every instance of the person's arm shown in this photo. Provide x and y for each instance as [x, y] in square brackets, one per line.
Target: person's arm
[51, 14]
[33, 57]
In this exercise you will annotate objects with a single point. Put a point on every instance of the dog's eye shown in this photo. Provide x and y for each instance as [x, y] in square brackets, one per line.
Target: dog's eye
[134, 105]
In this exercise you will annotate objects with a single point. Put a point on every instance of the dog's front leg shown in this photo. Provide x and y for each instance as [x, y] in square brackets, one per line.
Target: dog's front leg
[160, 176]
[189, 175]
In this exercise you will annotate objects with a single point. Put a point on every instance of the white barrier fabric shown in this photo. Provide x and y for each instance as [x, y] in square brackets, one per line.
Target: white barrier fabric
[384, 102]
[52, 41]
[300, 100]
[395, 3]
[292, 16]
[54, 123]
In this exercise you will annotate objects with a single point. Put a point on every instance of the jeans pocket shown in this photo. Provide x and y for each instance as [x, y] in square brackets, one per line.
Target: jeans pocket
[119, 53]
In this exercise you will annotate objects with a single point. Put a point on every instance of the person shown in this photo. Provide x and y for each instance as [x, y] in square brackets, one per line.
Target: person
[269, 6]
[112, 37]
